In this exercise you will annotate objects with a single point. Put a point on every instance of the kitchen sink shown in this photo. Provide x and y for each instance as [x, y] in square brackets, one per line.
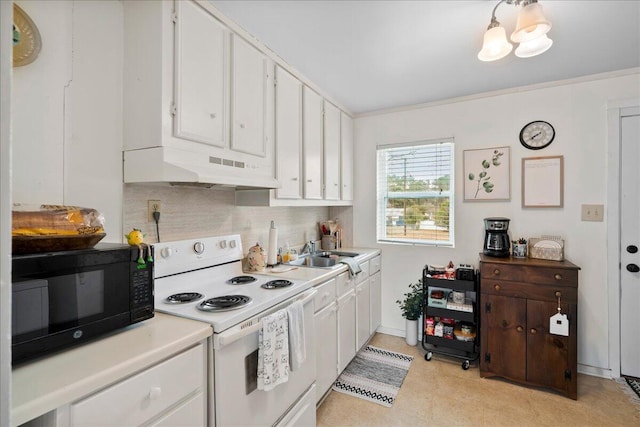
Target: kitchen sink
[322, 259]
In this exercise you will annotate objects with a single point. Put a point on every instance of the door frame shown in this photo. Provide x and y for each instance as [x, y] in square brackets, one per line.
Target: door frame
[615, 112]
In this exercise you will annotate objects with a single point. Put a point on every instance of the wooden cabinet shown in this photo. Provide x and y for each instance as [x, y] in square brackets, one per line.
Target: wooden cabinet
[517, 299]
[312, 106]
[288, 134]
[346, 157]
[331, 152]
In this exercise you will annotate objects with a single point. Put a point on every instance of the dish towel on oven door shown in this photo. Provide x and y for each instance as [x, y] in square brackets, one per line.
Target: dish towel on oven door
[273, 350]
[297, 349]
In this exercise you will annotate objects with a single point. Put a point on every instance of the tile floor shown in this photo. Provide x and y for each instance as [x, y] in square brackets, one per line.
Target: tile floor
[440, 393]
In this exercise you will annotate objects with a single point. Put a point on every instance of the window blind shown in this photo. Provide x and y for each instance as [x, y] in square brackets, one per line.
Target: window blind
[415, 196]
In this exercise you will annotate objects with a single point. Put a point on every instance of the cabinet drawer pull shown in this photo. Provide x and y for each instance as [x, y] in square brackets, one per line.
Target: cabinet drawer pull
[533, 331]
[294, 179]
[496, 272]
[519, 328]
[497, 287]
[558, 276]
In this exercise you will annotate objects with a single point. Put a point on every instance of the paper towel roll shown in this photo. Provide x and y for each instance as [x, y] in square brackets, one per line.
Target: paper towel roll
[272, 251]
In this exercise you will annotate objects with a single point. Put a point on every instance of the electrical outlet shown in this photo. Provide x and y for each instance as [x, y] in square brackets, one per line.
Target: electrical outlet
[593, 212]
[154, 206]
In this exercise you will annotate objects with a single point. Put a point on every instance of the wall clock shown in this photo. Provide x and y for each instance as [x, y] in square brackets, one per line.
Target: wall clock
[537, 135]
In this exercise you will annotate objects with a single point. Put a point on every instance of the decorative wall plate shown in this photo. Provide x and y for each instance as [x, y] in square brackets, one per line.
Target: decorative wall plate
[26, 38]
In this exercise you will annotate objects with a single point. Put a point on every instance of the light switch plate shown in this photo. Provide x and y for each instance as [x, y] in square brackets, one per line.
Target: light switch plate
[593, 212]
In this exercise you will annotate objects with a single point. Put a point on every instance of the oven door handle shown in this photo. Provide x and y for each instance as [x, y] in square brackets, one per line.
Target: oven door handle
[254, 324]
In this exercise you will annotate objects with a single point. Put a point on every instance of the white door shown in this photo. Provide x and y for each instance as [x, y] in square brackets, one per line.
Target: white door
[629, 243]
[200, 87]
[376, 301]
[363, 309]
[346, 329]
[248, 98]
[331, 152]
[346, 156]
[326, 348]
[288, 135]
[312, 143]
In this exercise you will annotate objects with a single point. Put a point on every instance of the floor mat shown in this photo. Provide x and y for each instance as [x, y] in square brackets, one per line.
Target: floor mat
[374, 374]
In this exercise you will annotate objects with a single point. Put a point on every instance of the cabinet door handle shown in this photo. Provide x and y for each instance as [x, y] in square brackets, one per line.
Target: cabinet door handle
[497, 287]
[212, 115]
[496, 272]
[533, 331]
[294, 179]
[154, 393]
[519, 328]
[558, 276]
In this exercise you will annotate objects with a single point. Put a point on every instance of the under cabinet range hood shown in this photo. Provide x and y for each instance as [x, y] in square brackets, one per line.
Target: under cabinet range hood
[174, 166]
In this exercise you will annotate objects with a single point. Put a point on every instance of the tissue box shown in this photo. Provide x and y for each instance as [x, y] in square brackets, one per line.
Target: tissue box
[547, 247]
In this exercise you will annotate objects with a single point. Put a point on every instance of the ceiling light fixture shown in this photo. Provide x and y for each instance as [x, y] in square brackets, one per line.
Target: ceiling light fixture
[531, 32]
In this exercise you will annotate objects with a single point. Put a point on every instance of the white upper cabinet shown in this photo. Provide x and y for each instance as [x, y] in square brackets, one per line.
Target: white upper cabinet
[198, 98]
[288, 131]
[251, 79]
[331, 152]
[201, 110]
[346, 156]
[312, 143]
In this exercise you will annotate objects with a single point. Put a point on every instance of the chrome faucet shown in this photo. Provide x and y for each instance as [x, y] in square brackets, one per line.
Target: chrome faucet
[309, 247]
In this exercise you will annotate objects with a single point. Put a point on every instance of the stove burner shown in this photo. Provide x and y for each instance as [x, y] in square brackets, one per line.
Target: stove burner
[239, 280]
[183, 297]
[224, 303]
[279, 283]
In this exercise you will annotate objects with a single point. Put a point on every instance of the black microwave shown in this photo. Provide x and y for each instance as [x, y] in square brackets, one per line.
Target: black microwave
[61, 299]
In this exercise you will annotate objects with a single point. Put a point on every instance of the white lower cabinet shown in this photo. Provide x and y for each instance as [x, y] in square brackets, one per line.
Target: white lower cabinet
[375, 286]
[326, 348]
[346, 329]
[363, 310]
[172, 392]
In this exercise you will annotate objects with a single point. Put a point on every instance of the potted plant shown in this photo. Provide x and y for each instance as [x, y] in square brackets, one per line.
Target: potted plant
[411, 307]
[520, 248]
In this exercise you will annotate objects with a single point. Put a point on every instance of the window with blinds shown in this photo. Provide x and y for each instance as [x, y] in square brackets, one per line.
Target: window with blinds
[415, 193]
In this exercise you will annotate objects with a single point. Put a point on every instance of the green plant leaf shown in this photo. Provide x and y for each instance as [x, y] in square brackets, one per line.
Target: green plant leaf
[486, 164]
[471, 177]
[482, 174]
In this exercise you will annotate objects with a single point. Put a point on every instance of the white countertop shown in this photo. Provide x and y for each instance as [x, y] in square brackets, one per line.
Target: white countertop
[320, 275]
[46, 384]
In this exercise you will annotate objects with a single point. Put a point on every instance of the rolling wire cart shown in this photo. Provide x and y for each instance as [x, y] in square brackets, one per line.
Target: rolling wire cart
[451, 326]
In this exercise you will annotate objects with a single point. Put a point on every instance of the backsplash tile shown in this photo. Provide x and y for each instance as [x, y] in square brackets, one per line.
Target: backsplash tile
[189, 212]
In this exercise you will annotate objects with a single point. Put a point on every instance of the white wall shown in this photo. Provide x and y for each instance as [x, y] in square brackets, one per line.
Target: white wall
[577, 110]
[67, 110]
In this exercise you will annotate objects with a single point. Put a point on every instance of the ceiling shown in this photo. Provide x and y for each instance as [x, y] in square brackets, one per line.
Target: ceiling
[374, 55]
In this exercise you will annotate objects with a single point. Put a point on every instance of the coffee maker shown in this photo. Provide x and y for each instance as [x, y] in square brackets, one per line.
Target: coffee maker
[496, 238]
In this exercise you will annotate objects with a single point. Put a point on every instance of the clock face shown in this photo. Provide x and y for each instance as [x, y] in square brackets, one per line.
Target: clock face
[537, 135]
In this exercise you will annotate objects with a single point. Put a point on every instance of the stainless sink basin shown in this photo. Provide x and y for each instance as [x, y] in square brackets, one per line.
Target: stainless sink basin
[322, 259]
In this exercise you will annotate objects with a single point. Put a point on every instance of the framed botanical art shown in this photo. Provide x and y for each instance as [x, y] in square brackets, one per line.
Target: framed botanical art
[487, 174]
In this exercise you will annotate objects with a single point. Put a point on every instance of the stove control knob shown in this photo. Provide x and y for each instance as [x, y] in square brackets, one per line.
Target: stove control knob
[166, 252]
[232, 244]
[198, 247]
[223, 244]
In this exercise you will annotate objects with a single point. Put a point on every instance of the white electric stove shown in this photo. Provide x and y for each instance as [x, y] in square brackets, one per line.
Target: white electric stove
[202, 279]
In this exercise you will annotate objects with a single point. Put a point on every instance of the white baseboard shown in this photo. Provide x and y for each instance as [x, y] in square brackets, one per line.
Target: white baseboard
[595, 371]
[391, 331]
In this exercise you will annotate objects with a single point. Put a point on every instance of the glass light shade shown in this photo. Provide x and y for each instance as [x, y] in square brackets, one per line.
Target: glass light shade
[531, 24]
[495, 45]
[534, 47]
